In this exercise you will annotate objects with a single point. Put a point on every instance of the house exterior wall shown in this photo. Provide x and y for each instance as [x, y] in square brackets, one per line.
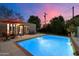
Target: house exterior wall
[26, 30]
[3, 28]
[31, 27]
[14, 28]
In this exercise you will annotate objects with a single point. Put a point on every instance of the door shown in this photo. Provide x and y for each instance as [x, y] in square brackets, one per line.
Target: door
[21, 29]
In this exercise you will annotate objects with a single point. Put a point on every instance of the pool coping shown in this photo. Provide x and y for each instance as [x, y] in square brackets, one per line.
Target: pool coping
[27, 52]
[22, 49]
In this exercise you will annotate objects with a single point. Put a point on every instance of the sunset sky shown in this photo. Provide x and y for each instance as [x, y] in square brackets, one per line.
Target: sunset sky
[52, 10]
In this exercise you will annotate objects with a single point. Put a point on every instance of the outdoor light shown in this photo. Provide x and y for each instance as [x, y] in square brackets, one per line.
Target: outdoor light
[7, 28]
[11, 25]
[18, 24]
[21, 28]
[14, 25]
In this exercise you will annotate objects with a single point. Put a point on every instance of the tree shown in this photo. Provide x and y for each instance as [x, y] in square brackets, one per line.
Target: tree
[72, 24]
[46, 29]
[5, 13]
[19, 16]
[76, 20]
[35, 20]
[58, 25]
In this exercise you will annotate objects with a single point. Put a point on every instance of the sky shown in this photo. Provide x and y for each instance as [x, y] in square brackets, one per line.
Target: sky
[38, 9]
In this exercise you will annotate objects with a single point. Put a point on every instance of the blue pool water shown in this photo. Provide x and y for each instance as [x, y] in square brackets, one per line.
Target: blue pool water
[48, 45]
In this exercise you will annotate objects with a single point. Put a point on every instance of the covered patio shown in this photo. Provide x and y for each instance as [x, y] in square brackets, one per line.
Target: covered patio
[11, 28]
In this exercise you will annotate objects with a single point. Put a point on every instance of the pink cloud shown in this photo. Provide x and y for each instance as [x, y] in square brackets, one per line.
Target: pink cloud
[51, 12]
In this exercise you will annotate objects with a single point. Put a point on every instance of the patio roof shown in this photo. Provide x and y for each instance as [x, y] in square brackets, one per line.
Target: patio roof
[11, 21]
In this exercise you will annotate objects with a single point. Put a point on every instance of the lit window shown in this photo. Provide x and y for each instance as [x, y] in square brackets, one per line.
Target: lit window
[7, 28]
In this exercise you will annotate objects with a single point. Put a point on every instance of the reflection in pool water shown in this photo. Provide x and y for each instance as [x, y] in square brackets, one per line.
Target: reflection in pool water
[48, 45]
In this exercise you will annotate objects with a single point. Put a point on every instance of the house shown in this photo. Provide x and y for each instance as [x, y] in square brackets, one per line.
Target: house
[15, 27]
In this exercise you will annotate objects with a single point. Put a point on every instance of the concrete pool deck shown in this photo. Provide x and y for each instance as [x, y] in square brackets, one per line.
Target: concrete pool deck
[9, 48]
[75, 42]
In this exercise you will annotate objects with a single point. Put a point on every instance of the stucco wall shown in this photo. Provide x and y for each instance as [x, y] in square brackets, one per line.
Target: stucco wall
[31, 27]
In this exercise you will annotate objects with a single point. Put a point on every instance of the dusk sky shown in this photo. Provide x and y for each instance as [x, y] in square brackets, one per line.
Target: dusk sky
[52, 9]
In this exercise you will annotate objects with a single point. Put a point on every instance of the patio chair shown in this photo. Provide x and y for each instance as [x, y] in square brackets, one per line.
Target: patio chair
[12, 36]
[5, 36]
[0, 36]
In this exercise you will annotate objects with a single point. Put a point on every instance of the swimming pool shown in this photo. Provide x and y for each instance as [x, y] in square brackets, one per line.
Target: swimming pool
[48, 45]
